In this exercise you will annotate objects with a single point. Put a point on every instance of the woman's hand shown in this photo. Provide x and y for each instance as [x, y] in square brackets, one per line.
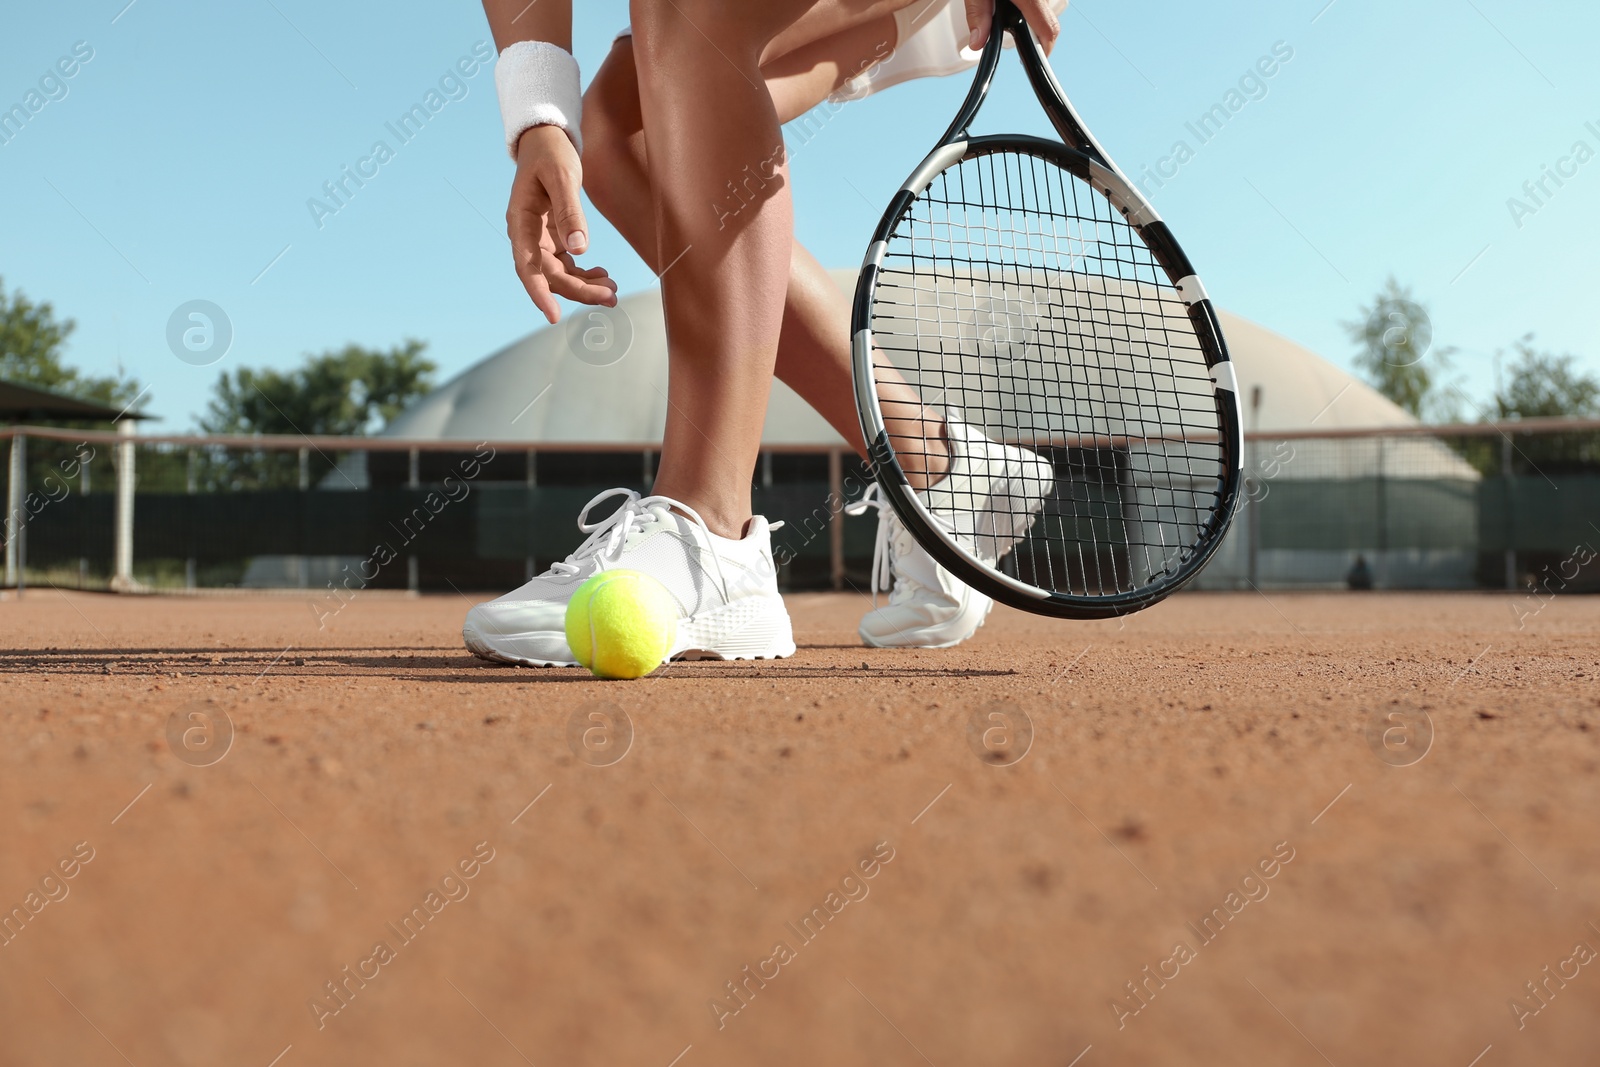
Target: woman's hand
[1041, 17]
[545, 223]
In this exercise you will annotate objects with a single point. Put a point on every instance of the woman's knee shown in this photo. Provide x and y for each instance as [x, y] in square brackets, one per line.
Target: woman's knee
[611, 121]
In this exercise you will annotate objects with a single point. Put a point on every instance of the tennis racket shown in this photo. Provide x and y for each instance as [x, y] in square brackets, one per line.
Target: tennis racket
[1023, 310]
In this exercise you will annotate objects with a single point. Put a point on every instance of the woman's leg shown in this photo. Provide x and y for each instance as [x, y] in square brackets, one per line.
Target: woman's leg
[707, 119]
[814, 352]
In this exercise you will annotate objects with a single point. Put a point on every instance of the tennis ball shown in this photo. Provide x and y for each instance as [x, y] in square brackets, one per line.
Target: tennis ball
[621, 624]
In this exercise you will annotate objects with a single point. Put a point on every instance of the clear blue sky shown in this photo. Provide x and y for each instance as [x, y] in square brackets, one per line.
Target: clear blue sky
[179, 163]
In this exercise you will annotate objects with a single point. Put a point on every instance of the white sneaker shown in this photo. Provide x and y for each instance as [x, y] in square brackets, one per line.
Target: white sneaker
[727, 591]
[987, 500]
[928, 606]
[992, 492]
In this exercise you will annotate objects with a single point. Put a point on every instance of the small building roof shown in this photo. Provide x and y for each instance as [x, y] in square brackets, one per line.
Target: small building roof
[24, 403]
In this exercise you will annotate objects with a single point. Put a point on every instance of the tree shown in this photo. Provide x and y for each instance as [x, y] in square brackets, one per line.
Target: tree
[31, 343]
[1395, 337]
[352, 391]
[348, 392]
[1543, 384]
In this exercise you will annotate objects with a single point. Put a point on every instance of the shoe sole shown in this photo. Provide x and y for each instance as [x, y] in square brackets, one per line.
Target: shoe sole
[484, 650]
[952, 643]
[753, 627]
[749, 629]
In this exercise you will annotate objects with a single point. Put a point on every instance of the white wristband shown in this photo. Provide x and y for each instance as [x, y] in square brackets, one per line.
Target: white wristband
[539, 85]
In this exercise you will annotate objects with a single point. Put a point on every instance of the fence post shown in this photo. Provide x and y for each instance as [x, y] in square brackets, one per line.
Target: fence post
[1252, 565]
[122, 569]
[1381, 575]
[300, 568]
[1511, 510]
[531, 473]
[192, 485]
[1252, 546]
[16, 510]
[413, 481]
[83, 491]
[836, 518]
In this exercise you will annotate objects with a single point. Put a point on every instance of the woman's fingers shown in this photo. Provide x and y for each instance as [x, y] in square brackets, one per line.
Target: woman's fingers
[1042, 19]
[546, 224]
[566, 210]
[1038, 13]
[547, 273]
[525, 227]
[582, 292]
[538, 288]
[980, 16]
[590, 273]
[567, 280]
[547, 160]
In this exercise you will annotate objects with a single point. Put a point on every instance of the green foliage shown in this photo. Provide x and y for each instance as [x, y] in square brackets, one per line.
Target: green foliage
[1395, 338]
[31, 343]
[352, 391]
[1545, 385]
[1542, 384]
[349, 392]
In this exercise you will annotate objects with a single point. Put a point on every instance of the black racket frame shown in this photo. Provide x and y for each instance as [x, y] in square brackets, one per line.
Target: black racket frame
[1087, 161]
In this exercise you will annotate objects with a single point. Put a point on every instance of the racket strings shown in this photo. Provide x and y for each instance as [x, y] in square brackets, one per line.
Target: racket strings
[1017, 298]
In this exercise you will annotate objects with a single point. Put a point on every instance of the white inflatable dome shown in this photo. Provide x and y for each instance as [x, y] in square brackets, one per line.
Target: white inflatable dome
[600, 377]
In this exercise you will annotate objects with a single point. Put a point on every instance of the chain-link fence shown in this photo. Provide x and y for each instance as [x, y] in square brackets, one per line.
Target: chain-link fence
[1515, 505]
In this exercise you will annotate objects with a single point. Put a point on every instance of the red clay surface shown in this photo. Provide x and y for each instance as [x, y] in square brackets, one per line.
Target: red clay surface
[1011, 900]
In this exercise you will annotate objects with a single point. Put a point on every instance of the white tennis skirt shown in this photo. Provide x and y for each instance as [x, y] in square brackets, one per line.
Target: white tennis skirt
[931, 43]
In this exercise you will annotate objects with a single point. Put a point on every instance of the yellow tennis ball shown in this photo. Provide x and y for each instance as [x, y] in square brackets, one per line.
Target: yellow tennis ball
[621, 624]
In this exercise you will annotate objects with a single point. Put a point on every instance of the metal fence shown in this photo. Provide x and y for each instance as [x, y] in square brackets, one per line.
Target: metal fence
[95, 510]
[1512, 505]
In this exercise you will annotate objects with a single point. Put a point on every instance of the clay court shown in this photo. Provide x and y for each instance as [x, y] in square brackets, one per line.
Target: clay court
[1205, 774]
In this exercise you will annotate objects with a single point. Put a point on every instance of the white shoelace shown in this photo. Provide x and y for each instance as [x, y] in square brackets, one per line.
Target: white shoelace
[609, 536]
[890, 531]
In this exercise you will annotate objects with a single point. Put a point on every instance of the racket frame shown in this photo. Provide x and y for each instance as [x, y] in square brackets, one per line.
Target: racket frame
[1086, 160]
